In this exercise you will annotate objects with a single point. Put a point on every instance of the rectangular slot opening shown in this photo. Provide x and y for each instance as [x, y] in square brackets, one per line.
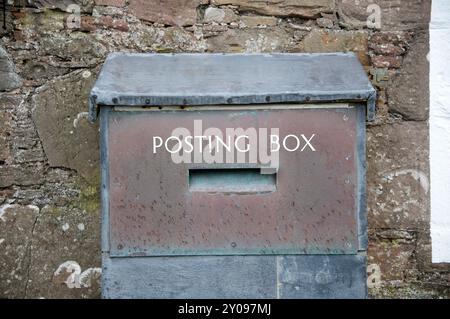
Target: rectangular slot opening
[231, 180]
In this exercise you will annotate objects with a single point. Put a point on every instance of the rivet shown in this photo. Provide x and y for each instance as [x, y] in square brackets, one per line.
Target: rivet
[147, 101]
[115, 100]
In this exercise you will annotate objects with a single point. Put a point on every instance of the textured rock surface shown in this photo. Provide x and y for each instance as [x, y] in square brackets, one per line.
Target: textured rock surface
[398, 184]
[337, 41]
[59, 113]
[23, 162]
[9, 78]
[49, 183]
[169, 12]
[220, 15]
[17, 225]
[408, 94]
[62, 235]
[300, 8]
[255, 21]
[251, 40]
[394, 15]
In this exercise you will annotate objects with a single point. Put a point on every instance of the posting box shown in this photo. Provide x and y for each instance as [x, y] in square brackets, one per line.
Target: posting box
[233, 176]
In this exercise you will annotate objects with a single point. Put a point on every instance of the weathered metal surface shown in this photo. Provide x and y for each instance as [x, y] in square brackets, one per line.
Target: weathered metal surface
[104, 171]
[314, 209]
[361, 183]
[190, 277]
[238, 277]
[210, 79]
[339, 276]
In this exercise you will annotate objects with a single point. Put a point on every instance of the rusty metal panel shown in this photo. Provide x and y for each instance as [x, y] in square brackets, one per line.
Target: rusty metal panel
[311, 210]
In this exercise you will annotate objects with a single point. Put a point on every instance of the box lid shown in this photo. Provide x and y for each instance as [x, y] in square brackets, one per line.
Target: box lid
[152, 79]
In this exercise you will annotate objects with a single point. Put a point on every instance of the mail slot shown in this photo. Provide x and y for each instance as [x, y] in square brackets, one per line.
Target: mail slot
[233, 176]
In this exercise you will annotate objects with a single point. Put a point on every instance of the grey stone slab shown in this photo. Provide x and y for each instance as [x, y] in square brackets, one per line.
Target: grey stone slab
[190, 277]
[322, 276]
[204, 79]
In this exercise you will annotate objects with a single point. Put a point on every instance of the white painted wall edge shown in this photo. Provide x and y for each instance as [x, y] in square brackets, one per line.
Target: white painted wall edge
[440, 130]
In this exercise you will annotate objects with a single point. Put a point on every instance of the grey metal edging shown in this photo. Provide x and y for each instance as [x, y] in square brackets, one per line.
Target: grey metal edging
[104, 162]
[131, 79]
[141, 101]
[371, 105]
[361, 183]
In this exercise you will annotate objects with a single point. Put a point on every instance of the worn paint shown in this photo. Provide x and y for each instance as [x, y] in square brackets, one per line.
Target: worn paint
[153, 211]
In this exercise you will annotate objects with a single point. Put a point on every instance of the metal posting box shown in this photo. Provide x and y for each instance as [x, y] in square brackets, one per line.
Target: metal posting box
[233, 176]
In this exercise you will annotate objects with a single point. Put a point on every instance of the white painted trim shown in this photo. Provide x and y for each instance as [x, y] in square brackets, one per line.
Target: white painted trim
[440, 130]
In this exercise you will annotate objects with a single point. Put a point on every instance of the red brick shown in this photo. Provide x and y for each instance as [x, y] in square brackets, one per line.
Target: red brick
[109, 23]
[87, 24]
[120, 25]
[105, 21]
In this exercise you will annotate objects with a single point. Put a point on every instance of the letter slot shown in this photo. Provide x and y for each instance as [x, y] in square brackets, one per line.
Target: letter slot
[231, 180]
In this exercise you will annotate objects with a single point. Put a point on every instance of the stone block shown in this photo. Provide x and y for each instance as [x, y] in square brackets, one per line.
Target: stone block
[255, 21]
[408, 93]
[282, 8]
[9, 79]
[393, 15]
[65, 254]
[398, 176]
[219, 15]
[168, 12]
[337, 41]
[60, 116]
[113, 3]
[251, 41]
[17, 225]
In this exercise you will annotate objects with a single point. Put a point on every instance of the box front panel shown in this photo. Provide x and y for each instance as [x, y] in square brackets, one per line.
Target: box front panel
[161, 205]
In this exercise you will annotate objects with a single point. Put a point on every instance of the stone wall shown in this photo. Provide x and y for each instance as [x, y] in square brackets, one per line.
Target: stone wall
[50, 54]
